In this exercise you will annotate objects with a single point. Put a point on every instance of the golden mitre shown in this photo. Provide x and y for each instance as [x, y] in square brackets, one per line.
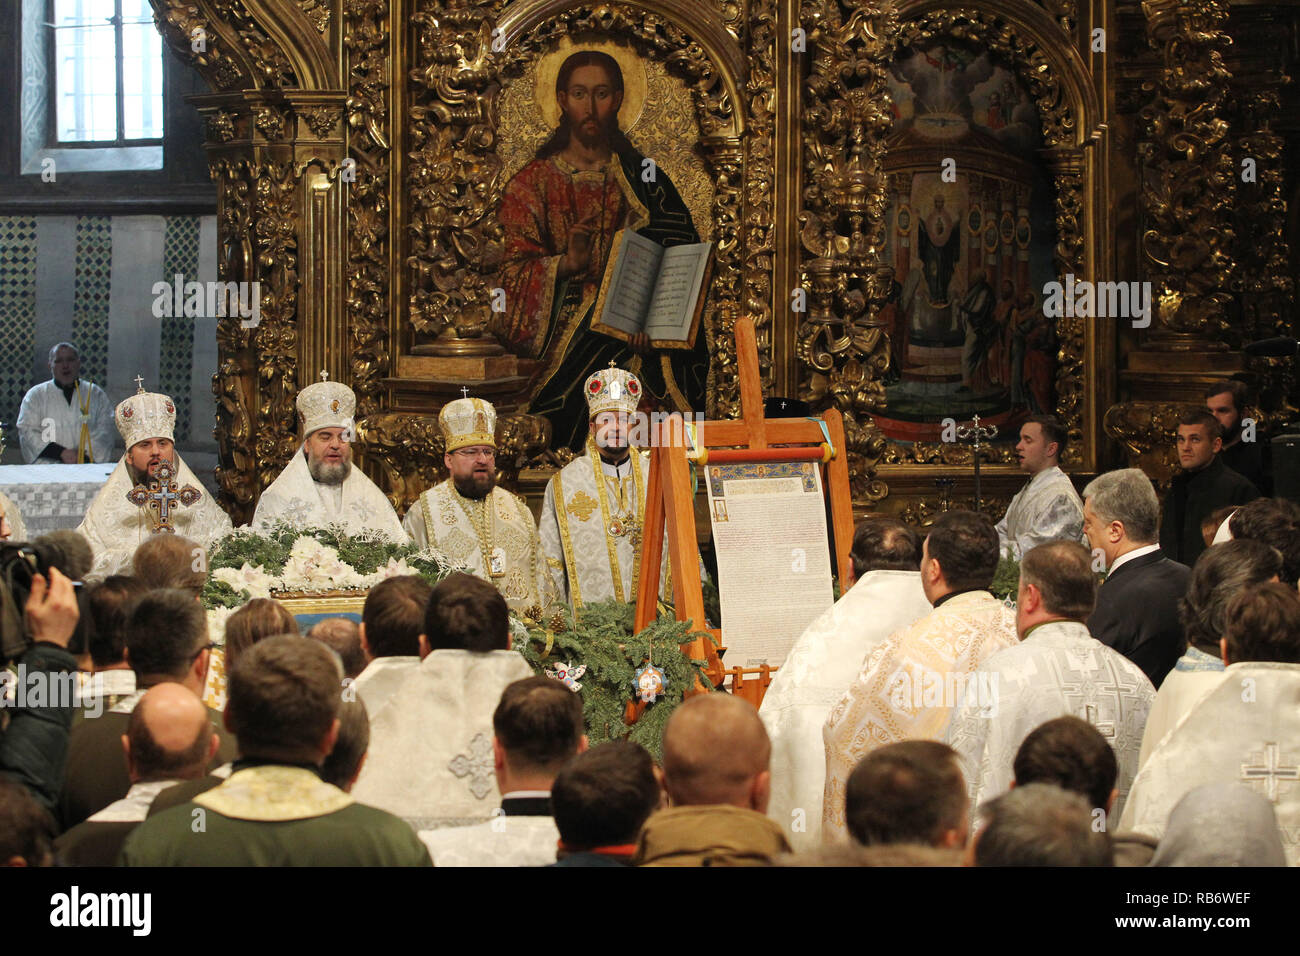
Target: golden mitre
[612, 389]
[468, 421]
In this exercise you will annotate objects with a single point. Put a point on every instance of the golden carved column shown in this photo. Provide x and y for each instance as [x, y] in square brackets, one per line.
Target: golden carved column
[1186, 195]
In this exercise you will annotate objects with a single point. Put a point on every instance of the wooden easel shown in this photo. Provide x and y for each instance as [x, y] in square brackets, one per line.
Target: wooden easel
[670, 502]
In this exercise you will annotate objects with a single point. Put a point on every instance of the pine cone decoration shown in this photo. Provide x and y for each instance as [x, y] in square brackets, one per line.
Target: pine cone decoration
[558, 624]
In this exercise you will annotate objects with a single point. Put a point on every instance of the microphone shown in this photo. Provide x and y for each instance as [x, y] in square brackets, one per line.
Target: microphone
[1281, 347]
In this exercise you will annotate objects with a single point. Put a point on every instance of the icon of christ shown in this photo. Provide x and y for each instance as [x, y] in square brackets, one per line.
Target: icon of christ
[560, 213]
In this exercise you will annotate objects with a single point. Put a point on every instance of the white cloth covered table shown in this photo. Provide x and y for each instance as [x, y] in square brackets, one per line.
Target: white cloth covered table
[51, 496]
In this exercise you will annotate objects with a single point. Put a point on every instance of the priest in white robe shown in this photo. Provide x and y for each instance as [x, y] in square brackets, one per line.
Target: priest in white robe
[1221, 573]
[886, 596]
[139, 499]
[1047, 508]
[593, 510]
[67, 419]
[1058, 669]
[908, 686]
[320, 487]
[474, 523]
[431, 759]
[1245, 730]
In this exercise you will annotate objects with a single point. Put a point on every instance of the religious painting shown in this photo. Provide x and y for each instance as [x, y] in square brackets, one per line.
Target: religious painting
[598, 141]
[970, 237]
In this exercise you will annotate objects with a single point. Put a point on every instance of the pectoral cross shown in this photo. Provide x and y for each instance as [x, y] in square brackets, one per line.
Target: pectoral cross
[976, 433]
[160, 495]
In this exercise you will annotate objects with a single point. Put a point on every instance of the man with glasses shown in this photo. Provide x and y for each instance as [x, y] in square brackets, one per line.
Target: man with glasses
[319, 487]
[474, 523]
[68, 419]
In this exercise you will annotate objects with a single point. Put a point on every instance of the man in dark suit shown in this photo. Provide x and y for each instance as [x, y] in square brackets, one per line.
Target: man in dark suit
[1226, 401]
[166, 641]
[1205, 485]
[1137, 605]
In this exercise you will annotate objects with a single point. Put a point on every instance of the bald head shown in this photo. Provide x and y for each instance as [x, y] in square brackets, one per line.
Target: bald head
[169, 736]
[716, 751]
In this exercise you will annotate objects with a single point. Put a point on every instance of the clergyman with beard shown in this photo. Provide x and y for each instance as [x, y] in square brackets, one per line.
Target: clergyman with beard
[135, 502]
[319, 487]
[561, 213]
[472, 522]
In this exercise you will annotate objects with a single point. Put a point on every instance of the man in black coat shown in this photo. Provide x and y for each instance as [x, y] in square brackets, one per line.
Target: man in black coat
[1137, 605]
[1226, 401]
[1204, 486]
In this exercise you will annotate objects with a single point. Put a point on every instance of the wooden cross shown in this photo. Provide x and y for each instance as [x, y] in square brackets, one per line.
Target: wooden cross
[160, 495]
[1270, 771]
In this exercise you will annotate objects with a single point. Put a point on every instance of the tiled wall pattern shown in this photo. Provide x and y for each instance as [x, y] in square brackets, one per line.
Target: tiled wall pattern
[90, 279]
[180, 257]
[17, 314]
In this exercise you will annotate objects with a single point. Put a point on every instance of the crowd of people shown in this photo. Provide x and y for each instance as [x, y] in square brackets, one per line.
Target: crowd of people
[1127, 709]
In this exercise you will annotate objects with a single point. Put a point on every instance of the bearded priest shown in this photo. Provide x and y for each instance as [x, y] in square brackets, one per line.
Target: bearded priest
[151, 491]
[474, 523]
[319, 487]
[594, 507]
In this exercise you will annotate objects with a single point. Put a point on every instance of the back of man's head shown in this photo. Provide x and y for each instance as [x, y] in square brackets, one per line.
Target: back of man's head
[884, 544]
[165, 631]
[1221, 573]
[909, 792]
[283, 697]
[466, 613]
[1263, 624]
[257, 620]
[393, 616]
[170, 561]
[343, 637]
[70, 551]
[602, 797]
[1062, 573]
[1276, 522]
[169, 736]
[26, 830]
[965, 544]
[1126, 496]
[1041, 825]
[343, 764]
[717, 751]
[109, 602]
[1071, 754]
[538, 723]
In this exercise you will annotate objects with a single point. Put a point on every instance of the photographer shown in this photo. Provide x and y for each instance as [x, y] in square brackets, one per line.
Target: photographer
[34, 743]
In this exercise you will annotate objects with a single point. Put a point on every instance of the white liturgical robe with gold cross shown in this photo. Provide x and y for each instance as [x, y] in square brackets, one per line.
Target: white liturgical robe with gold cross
[1046, 509]
[48, 416]
[495, 538]
[115, 526]
[907, 688]
[591, 528]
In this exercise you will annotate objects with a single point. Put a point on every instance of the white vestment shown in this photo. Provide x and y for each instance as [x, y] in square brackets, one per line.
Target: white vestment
[115, 527]
[444, 519]
[45, 405]
[818, 670]
[382, 678]
[908, 687]
[1058, 670]
[430, 757]
[1194, 676]
[357, 504]
[1246, 730]
[503, 841]
[1047, 508]
[586, 561]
